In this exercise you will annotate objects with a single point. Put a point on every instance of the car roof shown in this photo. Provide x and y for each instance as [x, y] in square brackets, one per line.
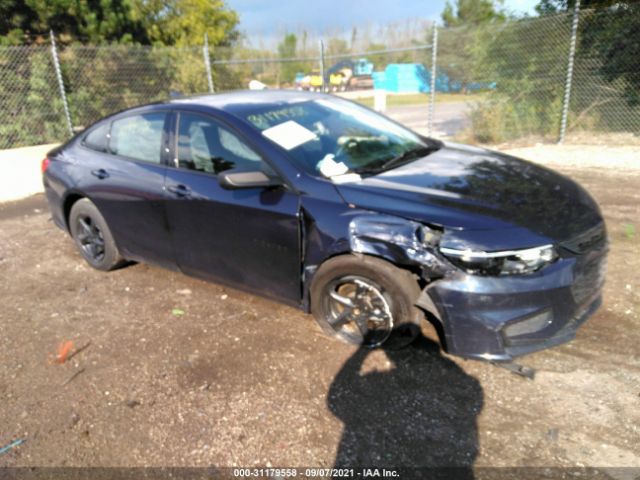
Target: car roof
[241, 100]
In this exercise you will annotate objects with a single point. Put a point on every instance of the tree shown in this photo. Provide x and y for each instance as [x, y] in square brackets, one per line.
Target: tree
[526, 62]
[145, 22]
[184, 22]
[460, 48]
[23, 21]
[471, 13]
[609, 33]
[288, 49]
[337, 46]
[546, 7]
[118, 71]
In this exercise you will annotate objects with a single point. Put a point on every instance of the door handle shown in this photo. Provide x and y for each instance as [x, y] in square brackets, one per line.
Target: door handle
[180, 190]
[100, 173]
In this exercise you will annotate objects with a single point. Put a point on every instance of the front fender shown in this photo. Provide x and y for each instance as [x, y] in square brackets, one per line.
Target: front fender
[403, 242]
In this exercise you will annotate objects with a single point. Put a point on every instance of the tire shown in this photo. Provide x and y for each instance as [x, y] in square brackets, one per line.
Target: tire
[366, 301]
[93, 237]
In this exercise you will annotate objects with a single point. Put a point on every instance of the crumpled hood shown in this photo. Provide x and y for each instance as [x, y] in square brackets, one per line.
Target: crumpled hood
[486, 197]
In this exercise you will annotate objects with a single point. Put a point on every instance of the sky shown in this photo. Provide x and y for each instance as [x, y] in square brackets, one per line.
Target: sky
[268, 18]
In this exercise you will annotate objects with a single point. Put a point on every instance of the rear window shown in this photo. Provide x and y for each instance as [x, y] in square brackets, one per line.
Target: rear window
[97, 138]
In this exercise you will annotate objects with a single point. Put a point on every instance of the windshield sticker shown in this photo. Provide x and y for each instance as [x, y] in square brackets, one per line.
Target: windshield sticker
[289, 135]
[330, 168]
[264, 120]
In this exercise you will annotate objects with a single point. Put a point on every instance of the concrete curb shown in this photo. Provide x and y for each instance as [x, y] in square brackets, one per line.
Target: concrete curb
[20, 174]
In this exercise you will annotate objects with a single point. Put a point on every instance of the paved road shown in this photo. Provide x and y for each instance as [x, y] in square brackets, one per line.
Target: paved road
[449, 118]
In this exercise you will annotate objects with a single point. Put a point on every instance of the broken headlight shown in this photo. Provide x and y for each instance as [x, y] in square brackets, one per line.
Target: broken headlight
[510, 262]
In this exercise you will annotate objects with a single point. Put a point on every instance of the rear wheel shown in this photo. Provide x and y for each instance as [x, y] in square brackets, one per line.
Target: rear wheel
[92, 236]
[366, 301]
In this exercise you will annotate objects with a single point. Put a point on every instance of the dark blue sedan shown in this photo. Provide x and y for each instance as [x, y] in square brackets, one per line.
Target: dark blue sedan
[325, 205]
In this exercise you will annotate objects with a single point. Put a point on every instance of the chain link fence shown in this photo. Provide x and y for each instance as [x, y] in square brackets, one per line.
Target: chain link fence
[514, 75]
[513, 81]
[605, 93]
[525, 78]
[106, 79]
[30, 101]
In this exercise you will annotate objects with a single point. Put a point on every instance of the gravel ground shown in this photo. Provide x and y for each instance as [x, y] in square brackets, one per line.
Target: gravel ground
[594, 157]
[181, 372]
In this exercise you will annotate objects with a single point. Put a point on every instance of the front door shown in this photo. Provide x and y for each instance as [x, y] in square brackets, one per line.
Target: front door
[248, 238]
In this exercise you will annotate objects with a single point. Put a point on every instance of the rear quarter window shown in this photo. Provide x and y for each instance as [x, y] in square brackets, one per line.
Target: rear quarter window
[98, 138]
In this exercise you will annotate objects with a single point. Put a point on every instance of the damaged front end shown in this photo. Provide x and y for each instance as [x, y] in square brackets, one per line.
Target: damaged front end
[400, 241]
[407, 244]
[490, 305]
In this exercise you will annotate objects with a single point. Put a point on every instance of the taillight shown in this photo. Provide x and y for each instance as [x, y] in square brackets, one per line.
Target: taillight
[45, 164]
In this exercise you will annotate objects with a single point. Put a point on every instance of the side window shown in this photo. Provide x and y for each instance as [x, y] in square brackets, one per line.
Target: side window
[138, 136]
[205, 146]
[97, 138]
[233, 144]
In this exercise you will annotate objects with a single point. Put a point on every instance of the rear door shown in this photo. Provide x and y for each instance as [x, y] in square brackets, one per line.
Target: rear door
[248, 238]
[126, 182]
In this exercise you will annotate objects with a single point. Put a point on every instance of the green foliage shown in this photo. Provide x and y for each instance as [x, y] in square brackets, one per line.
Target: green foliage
[471, 13]
[288, 49]
[98, 81]
[609, 32]
[29, 98]
[613, 37]
[336, 46]
[460, 49]
[102, 80]
[459, 53]
[521, 63]
[629, 231]
[526, 61]
[81, 20]
[126, 65]
[546, 7]
[500, 119]
[164, 22]
[184, 22]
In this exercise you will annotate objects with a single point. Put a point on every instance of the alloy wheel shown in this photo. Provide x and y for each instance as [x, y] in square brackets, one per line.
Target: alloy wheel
[90, 238]
[358, 311]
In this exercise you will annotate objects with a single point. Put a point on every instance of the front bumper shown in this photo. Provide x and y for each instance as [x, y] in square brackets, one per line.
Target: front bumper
[500, 318]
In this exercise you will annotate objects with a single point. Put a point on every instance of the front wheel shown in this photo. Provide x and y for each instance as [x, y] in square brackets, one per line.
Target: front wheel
[366, 301]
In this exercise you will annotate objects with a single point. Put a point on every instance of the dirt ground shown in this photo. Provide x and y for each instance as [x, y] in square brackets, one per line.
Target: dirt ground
[185, 373]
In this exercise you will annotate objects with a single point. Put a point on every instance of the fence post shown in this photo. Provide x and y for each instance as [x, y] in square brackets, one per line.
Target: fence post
[207, 62]
[322, 87]
[56, 64]
[567, 87]
[434, 56]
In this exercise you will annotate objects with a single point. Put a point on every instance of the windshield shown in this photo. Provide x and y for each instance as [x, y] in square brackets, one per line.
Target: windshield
[333, 137]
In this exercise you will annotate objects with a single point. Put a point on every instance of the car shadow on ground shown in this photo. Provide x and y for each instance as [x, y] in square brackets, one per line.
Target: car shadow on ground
[419, 412]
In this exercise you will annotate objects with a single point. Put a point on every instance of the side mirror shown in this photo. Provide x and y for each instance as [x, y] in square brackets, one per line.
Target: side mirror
[255, 179]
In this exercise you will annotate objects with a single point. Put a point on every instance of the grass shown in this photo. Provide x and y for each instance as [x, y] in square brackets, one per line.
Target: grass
[629, 231]
[399, 100]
